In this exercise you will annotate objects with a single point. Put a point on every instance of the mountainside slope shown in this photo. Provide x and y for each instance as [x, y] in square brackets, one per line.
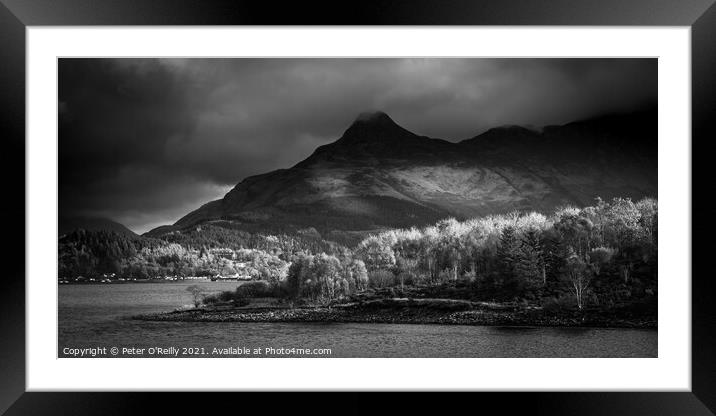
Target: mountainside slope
[68, 224]
[380, 175]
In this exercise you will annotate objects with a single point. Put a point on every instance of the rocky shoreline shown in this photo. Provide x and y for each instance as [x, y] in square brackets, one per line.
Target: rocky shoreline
[413, 311]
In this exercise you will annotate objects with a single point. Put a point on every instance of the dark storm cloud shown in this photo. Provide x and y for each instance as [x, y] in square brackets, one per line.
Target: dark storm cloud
[144, 141]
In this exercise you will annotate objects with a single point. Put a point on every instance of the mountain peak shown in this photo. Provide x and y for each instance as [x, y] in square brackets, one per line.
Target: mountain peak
[379, 174]
[373, 120]
[374, 126]
[372, 136]
[372, 117]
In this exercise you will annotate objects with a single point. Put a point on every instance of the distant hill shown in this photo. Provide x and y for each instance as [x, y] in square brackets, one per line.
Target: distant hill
[380, 175]
[68, 224]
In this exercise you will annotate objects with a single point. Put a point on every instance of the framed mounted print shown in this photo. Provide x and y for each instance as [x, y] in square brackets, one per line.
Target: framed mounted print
[478, 198]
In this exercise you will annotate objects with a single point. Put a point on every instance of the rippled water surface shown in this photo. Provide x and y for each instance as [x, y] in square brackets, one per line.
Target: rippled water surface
[96, 316]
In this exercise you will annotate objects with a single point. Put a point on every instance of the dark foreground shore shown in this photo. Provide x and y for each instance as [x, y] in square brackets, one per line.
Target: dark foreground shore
[416, 311]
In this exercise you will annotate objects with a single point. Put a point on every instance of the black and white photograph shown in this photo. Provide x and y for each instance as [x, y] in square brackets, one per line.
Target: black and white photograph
[424, 207]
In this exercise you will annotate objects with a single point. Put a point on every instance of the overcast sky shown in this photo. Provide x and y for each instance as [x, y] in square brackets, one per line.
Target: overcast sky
[145, 141]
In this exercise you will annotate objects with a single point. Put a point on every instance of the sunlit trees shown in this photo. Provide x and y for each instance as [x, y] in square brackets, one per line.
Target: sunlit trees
[326, 275]
[321, 278]
[449, 244]
[576, 231]
[522, 251]
[359, 274]
[609, 247]
[473, 243]
[428, 252]
[377, 253]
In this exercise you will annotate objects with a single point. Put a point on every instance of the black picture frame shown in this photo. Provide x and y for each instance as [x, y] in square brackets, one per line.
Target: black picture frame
[16, 15]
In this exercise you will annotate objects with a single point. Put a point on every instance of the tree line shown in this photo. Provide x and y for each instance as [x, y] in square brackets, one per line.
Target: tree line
[601, 254]
[604, 254]
[527, 254]
[206, 251]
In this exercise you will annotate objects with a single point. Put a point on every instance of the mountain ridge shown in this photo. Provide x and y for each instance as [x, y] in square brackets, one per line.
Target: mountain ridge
[67, 224]
[378, 175]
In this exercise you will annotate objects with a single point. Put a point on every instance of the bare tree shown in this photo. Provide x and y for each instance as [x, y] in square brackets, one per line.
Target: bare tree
[197, 294]
[575, 269]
